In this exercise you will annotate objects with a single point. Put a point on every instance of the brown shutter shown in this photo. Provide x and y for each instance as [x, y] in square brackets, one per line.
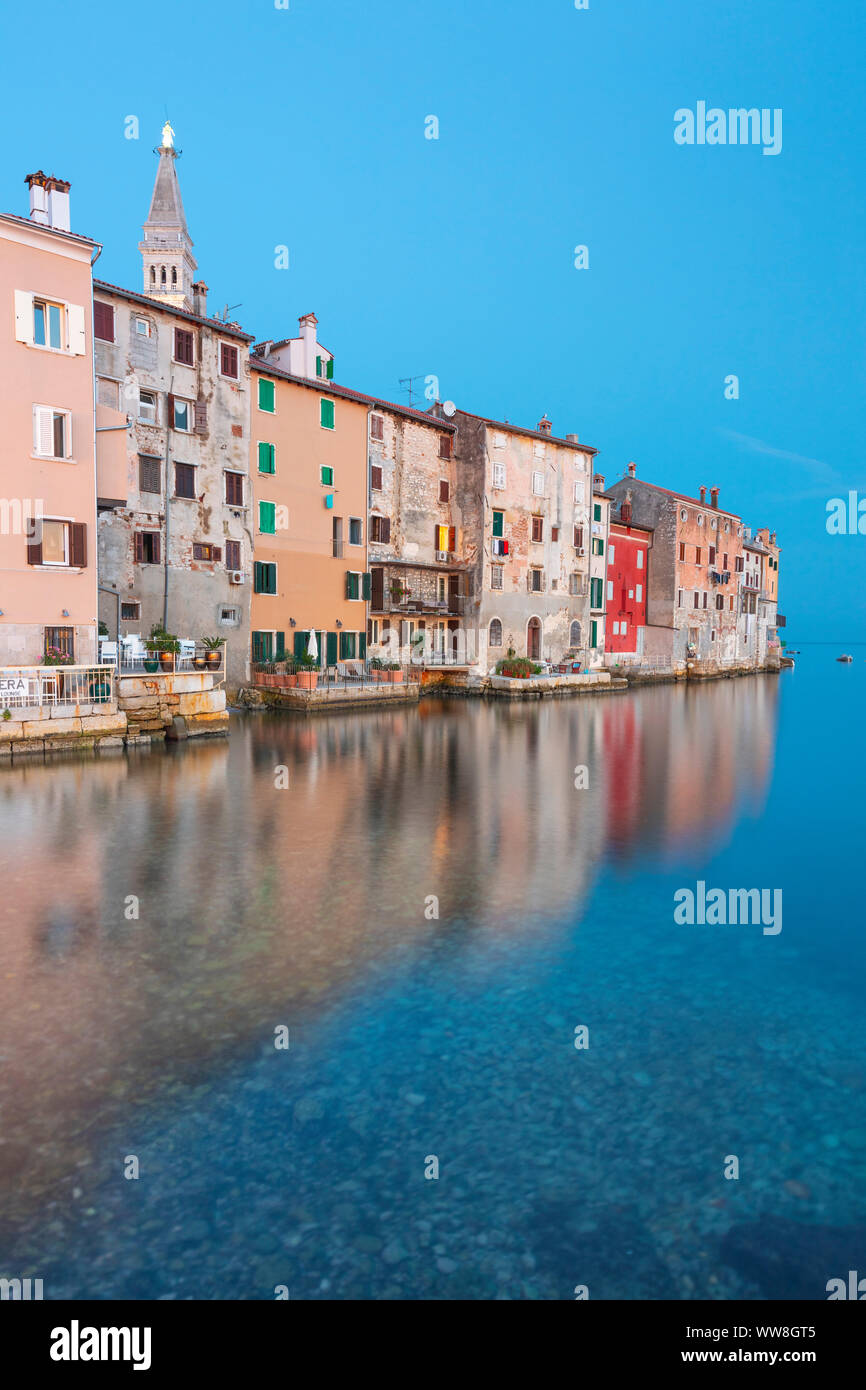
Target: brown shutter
[156, 547]
[217, 553]
[385, 530]
[452, 538]
[78, 544]
[170, 411]
[201, 417]
[34, 547]
[138, 547]
[436, 537]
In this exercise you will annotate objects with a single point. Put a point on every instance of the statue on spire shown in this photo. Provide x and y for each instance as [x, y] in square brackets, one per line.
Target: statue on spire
[167, 136]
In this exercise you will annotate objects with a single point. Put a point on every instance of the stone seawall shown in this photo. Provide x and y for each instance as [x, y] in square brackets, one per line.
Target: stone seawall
[175, 706]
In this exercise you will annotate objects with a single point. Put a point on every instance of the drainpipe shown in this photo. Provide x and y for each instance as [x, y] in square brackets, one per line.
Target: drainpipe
[168, 428]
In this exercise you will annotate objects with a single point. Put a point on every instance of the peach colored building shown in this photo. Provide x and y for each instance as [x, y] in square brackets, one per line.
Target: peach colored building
[308, 470]
[48, 594]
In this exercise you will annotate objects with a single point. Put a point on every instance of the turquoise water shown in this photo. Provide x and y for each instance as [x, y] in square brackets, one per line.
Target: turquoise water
[166, 914]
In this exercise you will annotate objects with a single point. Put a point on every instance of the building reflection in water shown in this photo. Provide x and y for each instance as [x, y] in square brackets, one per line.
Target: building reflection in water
[259, 905]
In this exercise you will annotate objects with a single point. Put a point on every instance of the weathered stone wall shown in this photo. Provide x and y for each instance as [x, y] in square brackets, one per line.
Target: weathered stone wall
[152, 704]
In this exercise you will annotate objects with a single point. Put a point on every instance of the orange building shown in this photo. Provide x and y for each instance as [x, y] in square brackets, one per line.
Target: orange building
[308, 468]
[47, 466]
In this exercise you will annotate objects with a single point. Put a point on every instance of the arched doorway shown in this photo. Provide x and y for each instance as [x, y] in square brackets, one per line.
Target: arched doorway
[533, 639]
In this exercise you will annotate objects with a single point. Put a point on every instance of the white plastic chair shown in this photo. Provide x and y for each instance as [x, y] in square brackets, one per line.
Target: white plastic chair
[186, 653]
[108, 654]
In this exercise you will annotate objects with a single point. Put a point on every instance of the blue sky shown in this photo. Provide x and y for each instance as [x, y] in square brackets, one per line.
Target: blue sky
[454, 257]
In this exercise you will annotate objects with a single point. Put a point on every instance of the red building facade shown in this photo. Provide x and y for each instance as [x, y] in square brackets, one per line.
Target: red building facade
[626, 586]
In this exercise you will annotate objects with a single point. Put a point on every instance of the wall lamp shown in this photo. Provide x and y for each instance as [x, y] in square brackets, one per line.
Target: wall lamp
[292, 623]
[339, 624]
[65, 613]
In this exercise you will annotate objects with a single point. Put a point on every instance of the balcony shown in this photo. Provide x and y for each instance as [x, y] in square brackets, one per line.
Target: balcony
[407, 603]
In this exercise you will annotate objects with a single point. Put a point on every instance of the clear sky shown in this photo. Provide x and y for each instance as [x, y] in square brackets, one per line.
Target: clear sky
[454, 257]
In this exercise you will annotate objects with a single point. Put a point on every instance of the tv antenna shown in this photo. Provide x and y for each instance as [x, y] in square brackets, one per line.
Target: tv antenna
[407, 384]
[227, 308]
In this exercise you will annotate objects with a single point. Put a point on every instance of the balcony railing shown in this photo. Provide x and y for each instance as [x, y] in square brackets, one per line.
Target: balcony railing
[406, 603]
[35, 687]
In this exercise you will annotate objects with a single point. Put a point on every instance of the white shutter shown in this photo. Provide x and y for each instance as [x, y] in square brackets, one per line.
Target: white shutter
[23, 316]
[499, 475]
[77, 344]
[43, 431]
[538, 484]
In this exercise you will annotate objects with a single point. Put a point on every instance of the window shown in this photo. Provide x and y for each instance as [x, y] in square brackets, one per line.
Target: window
[174, 275]
[611, 552]
[712, 558]
[638, 593]
[700, 519]
[682, 552]
[640, 559]
[554, 533]
[738, 564]
[375, 478]
[264, 578]
[444, 490]
[578, 491]
[267, 458]
[51, 432]
[499, 476]
[103, 321]
[610, 588]
[202, 550]
[575, 584]
[705, 599]
[499, 441]
[575, 634]
[537, 483]
[444, 539]
[229, 360]
[184, 480]
[596, 511]
[356, 531]
[146, 547]
[263, 646]
[229, 617]
[578, 538]
[679, 598]
[684, 516]
[380, 530]
[498, 523]
[47, 324]
[142, 326]
[495, 633]
[538, 528]
[184, 347]
[615, 628]
[326, 414]
[60, 639]
[233, 555]
[108, 392]
[347, 646]
[496, 573]
[725, 562]
[597, 546]
[696, 596]
[55, 543]
[698, 554]
[326, 476]
[720, 601]
[266, 395]
[181, 413]
[623, 629]
[149, 473]
[130, 612]
[268, 519]
[536, 581]
[356, 584]
[377, 427]
[234, 489]
[445, 443]
[596, 593]
[147, 407]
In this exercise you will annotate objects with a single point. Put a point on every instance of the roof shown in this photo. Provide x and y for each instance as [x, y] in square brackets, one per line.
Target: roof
[532, 434]
[166, 204]
[749, 543]
[43, 227]
[227, 329]
[680, 496]
[330, 388]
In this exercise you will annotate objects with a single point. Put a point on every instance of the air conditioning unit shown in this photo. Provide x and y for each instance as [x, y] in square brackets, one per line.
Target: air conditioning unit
[581, 550]
[443, 556]
[236, 577]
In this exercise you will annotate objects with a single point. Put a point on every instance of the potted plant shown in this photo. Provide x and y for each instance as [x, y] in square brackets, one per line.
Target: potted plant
[395, 672]
[213, 655]
[163, 647]
[377, 669]
[290, 679]
[308, 674]
[55, 656]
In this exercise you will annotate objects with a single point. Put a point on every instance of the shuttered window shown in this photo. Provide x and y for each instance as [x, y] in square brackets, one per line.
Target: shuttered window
[326, 415]
[234, 489]
[266, 395]
[233, 555]
[149, 473]
[103, 321]
[377, 427]
[267, 458]
[329, 369]
[202, 550]
[146, 547]
[380, 530]
[264, 578]
[445, 443]
[444, 490]
[353, 584]
[229, 360]
[184, 347]
[51, 431]
[327, 476]
[263, 646]
[268, 518]
[375, 478]
[538, 528]
[201, 417]
[184, 480]
[498, 523]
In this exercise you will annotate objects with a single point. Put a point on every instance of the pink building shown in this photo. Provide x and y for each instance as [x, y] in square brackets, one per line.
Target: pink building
[48, 591]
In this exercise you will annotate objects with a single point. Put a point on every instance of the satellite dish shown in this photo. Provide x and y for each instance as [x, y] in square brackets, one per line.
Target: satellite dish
[449, 408]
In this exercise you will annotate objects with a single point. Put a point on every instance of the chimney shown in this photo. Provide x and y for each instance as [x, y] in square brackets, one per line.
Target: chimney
[544, 425]
[714, 497]
[58, 203]
[625, 508]
[199, 299]
[307, 325]
[598, 482]
[38, 198]
[772, 538]
[572, 438]
[703, 494]
[632, 471]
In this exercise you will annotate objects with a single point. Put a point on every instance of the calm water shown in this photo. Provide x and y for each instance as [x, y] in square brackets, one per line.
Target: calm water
[414, 1036]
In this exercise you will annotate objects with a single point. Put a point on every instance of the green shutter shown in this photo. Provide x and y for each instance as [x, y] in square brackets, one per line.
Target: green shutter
[352, 584]
[327, 476]
[365, 585]
[318, 366]
[266, 395]
[343, 640]
[498, 518]
[326, 416]
[596, 512]
[329, 369]
[362, 644]
[331, 657]
[593, 633]
[301, 639]
[268, 518]
[281, 645]
[267, 458]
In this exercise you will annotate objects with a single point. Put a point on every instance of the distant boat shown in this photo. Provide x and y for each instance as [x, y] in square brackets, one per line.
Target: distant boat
[844, 658]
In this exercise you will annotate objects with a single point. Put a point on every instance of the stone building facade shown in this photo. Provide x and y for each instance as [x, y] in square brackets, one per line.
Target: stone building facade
[420, 582]
[175, 549]
[524, 497]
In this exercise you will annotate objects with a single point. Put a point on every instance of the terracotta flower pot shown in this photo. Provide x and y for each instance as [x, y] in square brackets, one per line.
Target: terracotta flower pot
[308, 680]
[395, 677]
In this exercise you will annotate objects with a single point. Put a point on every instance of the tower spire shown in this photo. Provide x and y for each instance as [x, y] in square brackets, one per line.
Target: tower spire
[168, 263]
